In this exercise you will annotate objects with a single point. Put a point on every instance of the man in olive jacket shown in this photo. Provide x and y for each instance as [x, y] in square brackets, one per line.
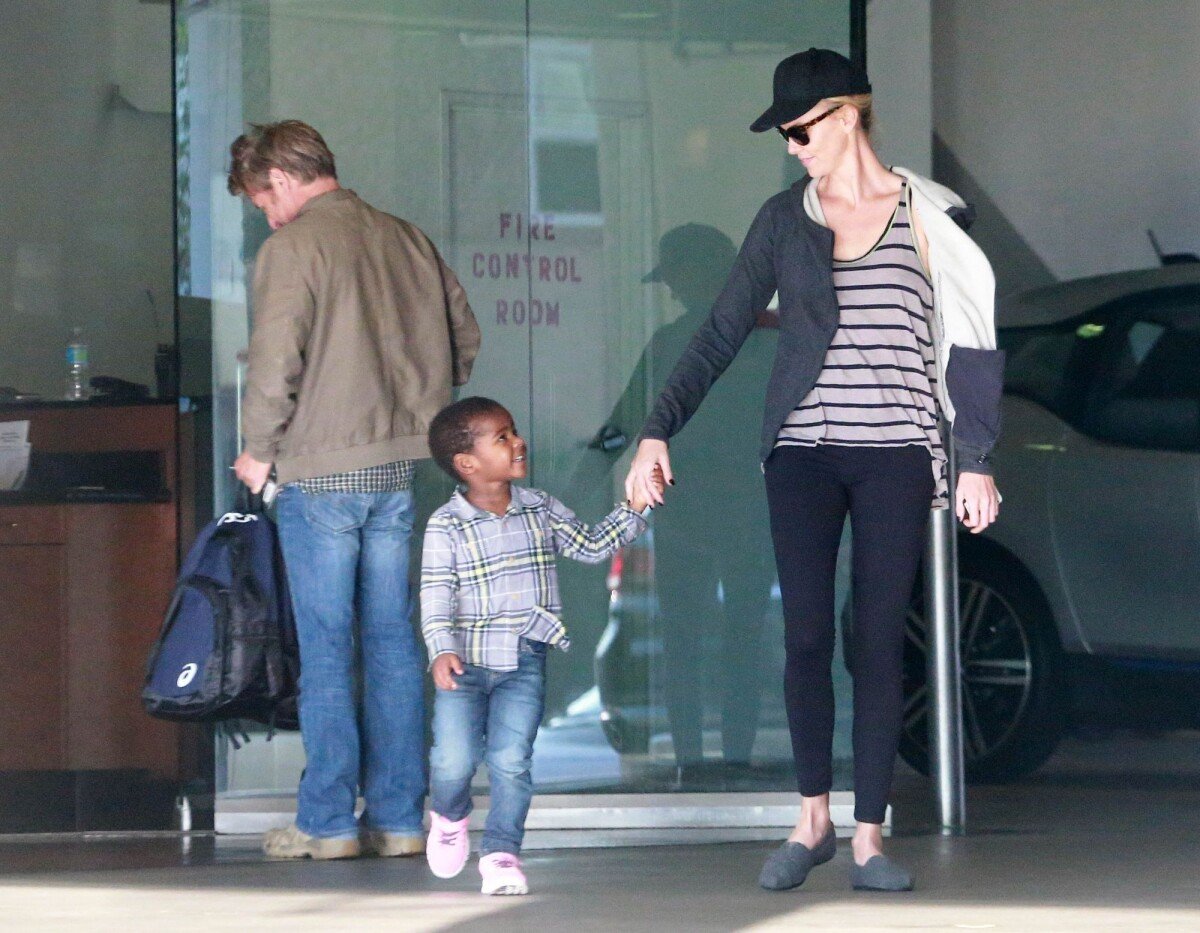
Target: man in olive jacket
[360, 331]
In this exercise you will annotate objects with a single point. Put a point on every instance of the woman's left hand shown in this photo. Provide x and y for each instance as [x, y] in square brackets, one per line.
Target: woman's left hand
[976, 501]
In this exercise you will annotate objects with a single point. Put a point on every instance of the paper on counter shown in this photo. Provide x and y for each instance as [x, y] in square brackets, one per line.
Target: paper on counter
[13, 434]
[14, 464]
[14, 453]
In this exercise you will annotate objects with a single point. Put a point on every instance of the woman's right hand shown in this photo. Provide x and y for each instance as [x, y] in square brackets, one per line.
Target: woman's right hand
[639, 483]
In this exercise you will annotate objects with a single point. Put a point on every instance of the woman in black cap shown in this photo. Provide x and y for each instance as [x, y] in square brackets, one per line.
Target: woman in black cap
[886, 327]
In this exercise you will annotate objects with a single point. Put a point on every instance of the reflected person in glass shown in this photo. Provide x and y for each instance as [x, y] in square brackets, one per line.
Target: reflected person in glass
[886, 327]
[712, 598]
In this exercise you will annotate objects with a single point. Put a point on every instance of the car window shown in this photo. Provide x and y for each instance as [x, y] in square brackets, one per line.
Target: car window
[1036, 362]
[1146, 390]
[1143, 335]
[1128, 374]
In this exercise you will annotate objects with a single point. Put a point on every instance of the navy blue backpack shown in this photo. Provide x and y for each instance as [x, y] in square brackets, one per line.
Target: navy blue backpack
[228, 647]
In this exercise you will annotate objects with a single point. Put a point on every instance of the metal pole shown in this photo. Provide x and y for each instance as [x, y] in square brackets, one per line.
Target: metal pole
[945, 664]
[243, 361]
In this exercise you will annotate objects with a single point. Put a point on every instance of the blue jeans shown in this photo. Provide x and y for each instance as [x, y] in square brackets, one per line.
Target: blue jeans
[493, 716]
[347, 557]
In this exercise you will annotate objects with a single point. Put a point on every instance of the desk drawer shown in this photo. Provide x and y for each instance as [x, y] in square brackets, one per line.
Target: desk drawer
[32, 524]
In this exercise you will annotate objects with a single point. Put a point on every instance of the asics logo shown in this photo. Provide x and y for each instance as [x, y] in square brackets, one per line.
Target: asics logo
[187, 675]
[236, 518]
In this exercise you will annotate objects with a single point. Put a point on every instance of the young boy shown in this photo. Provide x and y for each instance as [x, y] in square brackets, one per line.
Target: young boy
[489, 610]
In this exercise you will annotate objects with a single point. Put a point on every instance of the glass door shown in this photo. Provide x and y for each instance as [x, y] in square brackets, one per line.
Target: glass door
[423, 104]
[587, 170]
[643, 167]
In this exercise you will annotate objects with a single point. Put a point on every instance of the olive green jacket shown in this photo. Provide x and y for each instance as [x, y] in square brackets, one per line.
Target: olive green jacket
[360, 332]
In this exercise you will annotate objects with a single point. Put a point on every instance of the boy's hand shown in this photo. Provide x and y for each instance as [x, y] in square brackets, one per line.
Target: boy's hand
[638, 503]
[444, 666]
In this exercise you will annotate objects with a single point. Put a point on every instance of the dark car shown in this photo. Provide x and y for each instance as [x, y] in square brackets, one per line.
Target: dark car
[1082, 604]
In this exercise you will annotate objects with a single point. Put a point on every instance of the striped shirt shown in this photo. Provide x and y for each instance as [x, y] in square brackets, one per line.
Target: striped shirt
[487, 580]
[877, 387]
[387, 477]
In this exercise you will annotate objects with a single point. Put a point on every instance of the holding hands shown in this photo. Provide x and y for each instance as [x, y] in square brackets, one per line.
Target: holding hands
[638, 501]
[649, 474]
[448, 665]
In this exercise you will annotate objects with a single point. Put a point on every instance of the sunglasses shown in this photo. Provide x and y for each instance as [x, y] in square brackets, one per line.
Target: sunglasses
[799, 133]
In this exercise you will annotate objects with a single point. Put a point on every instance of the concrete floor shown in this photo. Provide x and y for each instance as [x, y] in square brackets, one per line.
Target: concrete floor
[1103, 839]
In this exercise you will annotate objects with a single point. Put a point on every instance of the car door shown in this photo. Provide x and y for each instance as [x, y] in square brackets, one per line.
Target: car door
[1125, 513]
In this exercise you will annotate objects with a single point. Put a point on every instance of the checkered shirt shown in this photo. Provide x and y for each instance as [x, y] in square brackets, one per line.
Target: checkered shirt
[387, 477]
[487, 581]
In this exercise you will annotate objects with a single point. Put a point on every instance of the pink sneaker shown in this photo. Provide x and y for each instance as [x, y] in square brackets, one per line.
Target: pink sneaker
[448, 845]
[502, 874]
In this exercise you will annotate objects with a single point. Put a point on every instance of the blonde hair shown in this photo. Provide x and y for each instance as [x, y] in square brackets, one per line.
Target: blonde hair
[290, 145]
[861, 103]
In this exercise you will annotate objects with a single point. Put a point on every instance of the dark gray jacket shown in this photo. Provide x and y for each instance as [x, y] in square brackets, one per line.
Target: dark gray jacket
[788, 251]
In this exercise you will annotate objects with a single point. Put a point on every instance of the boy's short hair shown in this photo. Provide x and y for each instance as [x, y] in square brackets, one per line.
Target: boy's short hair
[450, 431]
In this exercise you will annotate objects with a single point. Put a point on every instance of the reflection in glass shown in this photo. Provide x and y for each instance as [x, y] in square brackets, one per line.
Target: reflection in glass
[713, 566]
[673, 678]
[547, 148]
[85, 220]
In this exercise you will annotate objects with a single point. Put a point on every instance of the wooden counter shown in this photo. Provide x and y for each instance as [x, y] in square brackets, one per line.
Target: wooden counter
[83, 586]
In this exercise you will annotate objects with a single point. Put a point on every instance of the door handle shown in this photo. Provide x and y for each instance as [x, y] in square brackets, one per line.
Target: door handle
[609, 438]
[243, 360]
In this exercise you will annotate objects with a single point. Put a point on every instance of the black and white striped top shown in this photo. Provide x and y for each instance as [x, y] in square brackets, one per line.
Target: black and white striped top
[878, 385]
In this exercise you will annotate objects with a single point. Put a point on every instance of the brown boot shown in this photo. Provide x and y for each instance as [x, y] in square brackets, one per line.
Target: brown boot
[389, 845]
[290, 842]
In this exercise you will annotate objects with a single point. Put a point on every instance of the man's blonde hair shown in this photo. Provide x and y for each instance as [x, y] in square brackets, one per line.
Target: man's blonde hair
[290, 146]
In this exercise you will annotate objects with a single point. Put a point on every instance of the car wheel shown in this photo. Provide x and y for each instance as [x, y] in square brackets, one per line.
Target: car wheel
[625, 737]
[1013, 709]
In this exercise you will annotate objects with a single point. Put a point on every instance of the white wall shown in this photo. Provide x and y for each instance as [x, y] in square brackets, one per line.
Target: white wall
[85, 194]
[1078, 119]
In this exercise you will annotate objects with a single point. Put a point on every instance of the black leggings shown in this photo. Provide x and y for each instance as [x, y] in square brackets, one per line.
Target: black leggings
[888, 491]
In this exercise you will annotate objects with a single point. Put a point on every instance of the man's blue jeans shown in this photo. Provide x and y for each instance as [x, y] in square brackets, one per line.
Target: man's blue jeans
[347, 558]
[493, 716]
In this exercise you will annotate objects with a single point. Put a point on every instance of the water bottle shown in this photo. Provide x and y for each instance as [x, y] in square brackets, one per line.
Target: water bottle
[77, 366]
[183, 814]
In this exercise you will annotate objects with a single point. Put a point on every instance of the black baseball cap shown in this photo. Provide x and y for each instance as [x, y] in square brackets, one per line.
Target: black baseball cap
[805, 79]
[692, 250]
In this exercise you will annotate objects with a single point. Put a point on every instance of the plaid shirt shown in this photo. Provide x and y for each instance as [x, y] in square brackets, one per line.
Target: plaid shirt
[387, 477]
[489, 580]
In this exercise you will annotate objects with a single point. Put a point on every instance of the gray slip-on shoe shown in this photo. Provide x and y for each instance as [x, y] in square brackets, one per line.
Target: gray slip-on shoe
[879, 874]
[789, 865]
